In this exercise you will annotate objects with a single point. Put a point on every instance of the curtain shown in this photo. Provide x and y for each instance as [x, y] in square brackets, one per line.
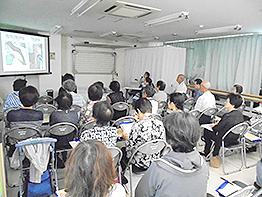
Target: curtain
[226, 61]
[162, 62]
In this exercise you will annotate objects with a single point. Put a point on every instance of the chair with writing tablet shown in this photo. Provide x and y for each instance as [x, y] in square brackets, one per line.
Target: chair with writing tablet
[123, 119]
[189, 104]
[195, 113]
[88, 125]
[46, 109]
[239, 129]
[221, 112]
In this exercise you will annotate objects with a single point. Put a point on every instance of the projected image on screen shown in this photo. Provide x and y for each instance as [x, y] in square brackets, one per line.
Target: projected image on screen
[23, 53]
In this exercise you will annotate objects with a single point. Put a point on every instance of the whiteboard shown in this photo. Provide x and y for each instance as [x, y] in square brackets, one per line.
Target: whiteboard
[93, 62]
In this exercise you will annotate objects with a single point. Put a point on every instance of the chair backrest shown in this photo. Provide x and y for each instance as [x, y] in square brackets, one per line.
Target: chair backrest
[89, 125]
[116, 155]
[120, 106]
[209, 111]
[244, 192]
[195, 113]
[10, 109]
[189, 104]
[157, 116]
[150, 148]
[76, 108]
[257, 127]
[62, 129]
[22, 133]
[239, 129]
[46, 108]
[123, 119]
[222, 111]
[242, 108]
[162, 105]
[44, 99]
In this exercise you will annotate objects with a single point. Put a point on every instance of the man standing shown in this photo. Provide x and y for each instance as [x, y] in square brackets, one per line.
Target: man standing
[181, 88]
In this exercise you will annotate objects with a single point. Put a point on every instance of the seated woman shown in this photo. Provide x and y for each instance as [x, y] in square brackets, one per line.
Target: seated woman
[176, 102]
[102, 113]
[181, 172]
[114, 97]
[90, 172]
[95, 94]
[63, 114]
[228, 120]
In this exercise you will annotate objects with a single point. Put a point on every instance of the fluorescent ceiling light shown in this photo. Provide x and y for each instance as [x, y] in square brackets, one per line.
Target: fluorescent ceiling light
[81, 5]
[167, 19]
[129, 10]
[56, 29]
[148, 39]
[78, 6]
[111, 33]
[220, 29]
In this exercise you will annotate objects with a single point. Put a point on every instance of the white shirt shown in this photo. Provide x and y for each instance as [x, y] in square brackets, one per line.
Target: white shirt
[78, 99]
[181, 88]
[160, 96]
[117, 191]
[154, 104]
[205, 101]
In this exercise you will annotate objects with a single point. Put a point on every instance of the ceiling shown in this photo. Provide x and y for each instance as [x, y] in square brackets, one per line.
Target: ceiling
[43, 15]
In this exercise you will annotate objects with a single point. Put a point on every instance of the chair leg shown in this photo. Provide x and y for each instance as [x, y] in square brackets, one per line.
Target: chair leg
[223, 158]
[120, 173]
[130, 179]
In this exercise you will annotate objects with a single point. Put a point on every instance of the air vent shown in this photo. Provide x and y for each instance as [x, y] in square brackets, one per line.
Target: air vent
[129, 10]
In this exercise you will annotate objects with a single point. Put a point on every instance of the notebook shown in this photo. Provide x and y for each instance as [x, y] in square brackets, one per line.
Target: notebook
[126, 127]
[252, 137]
[227, 188]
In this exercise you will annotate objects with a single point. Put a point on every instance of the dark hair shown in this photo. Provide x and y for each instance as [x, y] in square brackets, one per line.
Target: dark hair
[114, 86]
[239, 88]
[67, 76]
[235, 99]
[89, 170]
[149, 81]
[28, 96]
[100, 83]
[161, 85]
[198, 81]
[64, 101]
[178, 99]
[144, 105]
[102, 112]
[147, 74]
[149, 90]
[62, 91]
[18, 84]
[182, 131]
[95, 92]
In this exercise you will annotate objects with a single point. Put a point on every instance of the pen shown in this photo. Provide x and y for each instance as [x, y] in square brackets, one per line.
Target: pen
[226, 180]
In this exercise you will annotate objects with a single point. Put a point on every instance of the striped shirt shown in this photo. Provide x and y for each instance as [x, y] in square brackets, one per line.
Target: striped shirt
[12, 100]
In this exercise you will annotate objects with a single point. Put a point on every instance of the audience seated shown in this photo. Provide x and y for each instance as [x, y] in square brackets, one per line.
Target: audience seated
[70, 86]
[258, 182]
[114, 97]
[148, 128]
[205, 101]
[105, 90]
[63, 114]
[143, 78]
[26, 116]
[198, 92]
[181, 87]
[148, 92]
[160, 95]
[176, 102]
[228, 120]
[95, 94]
[102, 113]
[66, 77]
[12, 100]
[238, 89]
[90, 172]
[182, 172]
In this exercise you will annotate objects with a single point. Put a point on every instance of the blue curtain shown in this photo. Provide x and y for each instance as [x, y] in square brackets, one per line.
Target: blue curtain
[226, 61]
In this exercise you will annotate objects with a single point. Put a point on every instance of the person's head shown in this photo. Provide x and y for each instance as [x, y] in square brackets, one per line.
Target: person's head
[100, 83]
[64, 101]
[148, 91]
[238, 89]
[198, 83]
[89, 170]
[146, 74]
[177, 101]
[114, 86]
[103, 113]
[67, 76]
[142, 107]
[180, 78]
[18, 84]
[205, 86]
[28, 96]
[182, 131]
[148, 81]
[62, 91]
[160, 85]
[233, 101]
[69, 85]
[95, 92]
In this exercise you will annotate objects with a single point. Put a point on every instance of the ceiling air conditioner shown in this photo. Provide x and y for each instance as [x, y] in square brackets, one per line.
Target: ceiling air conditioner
[129, 10]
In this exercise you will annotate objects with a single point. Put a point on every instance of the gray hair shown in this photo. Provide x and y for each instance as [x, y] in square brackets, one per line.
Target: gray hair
[181, 76]
[206, 85]
[182, 131]
[69, 85]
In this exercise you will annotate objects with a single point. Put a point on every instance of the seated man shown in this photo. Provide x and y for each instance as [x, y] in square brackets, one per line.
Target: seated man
[12, 100]
[228, 120]
[181, 172]
[160, 95]
[102, 113]
[205, 101]
[26, 116]
[148, 92]
[176, 102]
[148, 128]
[181, 87]
[198, 92]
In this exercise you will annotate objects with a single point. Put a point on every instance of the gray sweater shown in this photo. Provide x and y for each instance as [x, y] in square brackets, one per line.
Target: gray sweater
[176, 174]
